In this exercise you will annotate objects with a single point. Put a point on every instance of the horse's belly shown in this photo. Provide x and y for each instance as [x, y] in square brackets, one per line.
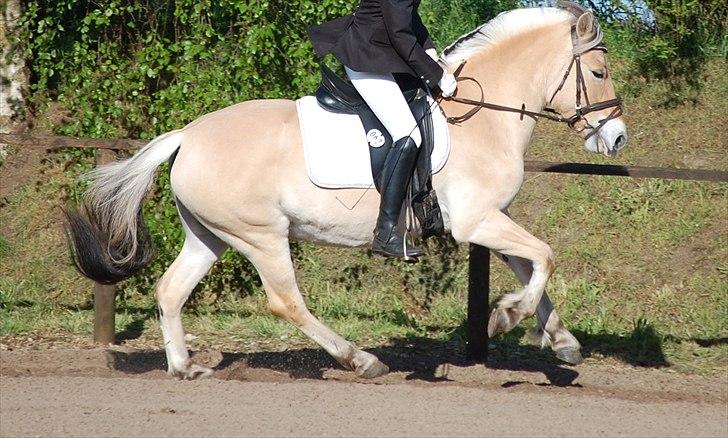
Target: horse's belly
[332, 217]
[341, 235]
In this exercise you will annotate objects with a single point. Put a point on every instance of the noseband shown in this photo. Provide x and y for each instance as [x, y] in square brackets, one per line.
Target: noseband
[579, 111]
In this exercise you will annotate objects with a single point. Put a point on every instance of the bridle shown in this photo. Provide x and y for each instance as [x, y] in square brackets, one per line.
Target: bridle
[548, 113]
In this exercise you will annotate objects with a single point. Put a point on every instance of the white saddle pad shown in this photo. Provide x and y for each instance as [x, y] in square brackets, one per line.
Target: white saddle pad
[336, 149]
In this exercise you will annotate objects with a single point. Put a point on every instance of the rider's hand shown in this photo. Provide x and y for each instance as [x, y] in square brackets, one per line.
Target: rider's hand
[448, 84]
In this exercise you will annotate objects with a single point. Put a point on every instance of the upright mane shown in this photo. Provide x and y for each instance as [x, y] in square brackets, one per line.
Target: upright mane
[502, 27]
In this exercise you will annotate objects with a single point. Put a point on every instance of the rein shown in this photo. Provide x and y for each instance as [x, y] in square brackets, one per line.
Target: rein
[480, 104]
[548, 113]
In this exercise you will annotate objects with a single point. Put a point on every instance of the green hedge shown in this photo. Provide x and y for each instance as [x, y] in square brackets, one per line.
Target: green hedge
[142, 67]
[137, 68]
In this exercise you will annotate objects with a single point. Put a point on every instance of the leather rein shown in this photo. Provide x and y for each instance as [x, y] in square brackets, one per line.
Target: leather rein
[548, 113]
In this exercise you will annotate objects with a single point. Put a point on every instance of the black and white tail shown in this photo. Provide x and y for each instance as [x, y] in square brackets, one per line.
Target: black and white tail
[108, 238]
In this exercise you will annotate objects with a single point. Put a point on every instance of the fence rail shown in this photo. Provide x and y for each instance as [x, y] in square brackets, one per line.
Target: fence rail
[55, 142]
[479, 263]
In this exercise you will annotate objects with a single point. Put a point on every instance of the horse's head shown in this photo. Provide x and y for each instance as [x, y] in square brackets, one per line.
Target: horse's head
[584, 93]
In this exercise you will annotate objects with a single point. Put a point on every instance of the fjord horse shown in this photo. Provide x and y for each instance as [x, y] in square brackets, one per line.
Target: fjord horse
[240, 181]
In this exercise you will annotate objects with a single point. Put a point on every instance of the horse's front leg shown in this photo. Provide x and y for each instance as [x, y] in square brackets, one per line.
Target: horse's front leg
[495, 230]
[550, 328]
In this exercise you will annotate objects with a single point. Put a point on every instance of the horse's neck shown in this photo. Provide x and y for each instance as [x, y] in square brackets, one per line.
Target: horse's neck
[515, 75]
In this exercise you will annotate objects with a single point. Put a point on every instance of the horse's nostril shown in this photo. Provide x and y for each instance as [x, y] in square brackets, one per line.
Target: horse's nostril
[620, 142]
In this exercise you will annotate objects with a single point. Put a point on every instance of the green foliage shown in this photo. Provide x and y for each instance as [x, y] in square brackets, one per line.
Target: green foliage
[142, 67]
[668, 40]
[447, 20]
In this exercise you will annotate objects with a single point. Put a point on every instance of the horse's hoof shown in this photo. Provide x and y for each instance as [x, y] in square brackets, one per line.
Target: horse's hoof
[570, 355]
[372, 370]
[498, 323]
[193, 372]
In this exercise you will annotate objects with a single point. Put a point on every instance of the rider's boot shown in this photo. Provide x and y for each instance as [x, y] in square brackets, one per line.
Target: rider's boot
[394, 179]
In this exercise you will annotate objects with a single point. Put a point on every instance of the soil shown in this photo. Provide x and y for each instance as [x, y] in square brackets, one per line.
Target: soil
[122, 391]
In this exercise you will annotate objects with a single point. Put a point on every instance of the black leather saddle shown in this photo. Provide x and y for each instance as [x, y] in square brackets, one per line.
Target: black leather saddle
[339, 96]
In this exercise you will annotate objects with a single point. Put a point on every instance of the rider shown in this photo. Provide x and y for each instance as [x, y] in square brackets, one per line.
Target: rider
[384, 37]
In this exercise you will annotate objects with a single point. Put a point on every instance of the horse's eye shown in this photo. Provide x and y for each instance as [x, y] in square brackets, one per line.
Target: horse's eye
[599, 74]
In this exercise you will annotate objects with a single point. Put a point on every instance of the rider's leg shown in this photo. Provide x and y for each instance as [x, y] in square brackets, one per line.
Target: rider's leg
[384, 97]
[394, 179]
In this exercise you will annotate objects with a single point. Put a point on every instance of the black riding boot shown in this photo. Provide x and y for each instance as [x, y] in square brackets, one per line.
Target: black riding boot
[394, 179]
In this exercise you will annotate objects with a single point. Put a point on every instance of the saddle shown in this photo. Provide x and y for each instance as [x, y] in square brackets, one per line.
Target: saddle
[339, 96]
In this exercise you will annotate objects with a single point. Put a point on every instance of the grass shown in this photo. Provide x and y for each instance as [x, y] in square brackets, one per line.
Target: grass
[642, 265]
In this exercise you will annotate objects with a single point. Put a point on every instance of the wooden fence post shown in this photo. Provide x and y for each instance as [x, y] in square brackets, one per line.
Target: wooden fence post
[104, 313]
[478, 296]
[104, 295]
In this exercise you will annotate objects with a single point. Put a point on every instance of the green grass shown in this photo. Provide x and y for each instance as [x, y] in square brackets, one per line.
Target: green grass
[642, 265]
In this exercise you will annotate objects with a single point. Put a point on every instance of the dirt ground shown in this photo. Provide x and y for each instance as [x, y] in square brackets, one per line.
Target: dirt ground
[302, 392]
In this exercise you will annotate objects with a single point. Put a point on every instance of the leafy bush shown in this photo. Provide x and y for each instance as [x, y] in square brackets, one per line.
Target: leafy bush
[668, 41]
[449, 19]
[137, 68]
[141, 67]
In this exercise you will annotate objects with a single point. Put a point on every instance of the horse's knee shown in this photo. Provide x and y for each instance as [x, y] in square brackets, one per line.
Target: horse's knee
[462, 233]
[546, 260]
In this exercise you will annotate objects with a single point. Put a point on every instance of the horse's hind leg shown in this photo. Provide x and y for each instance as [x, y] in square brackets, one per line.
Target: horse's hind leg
[271, 257]
[200, 250]
[550, 328]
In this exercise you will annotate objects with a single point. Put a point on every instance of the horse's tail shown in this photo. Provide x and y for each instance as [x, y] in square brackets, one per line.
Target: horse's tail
[108, 238]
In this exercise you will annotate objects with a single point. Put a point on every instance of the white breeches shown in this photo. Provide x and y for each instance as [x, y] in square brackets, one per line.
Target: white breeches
[382, 94]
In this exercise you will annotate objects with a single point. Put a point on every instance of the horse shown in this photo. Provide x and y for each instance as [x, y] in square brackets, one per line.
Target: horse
[239, 179]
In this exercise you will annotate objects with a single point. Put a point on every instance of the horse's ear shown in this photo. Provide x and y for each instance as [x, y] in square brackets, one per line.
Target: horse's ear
[585, 26]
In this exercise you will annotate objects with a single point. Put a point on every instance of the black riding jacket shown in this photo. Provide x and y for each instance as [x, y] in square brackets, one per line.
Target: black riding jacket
[382, 36]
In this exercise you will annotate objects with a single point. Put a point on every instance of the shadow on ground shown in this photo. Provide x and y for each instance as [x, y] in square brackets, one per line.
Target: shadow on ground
[419, 358]
[422, 358]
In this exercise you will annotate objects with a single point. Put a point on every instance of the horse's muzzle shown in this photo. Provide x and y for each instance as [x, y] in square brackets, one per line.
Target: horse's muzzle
[609, 140]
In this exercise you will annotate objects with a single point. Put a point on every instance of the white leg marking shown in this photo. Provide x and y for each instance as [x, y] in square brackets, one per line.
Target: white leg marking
[200, 250]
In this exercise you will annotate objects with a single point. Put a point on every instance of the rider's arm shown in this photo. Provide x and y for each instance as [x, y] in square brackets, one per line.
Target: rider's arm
[398, 22]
